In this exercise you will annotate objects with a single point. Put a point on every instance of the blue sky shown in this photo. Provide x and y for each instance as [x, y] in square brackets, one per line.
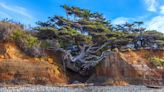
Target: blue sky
[118, 11]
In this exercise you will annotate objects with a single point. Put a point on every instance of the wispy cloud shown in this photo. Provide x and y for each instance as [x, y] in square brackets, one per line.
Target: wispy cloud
[120, 20]
[162, 9]
[151, 5]
[156, 24]
[16, 9]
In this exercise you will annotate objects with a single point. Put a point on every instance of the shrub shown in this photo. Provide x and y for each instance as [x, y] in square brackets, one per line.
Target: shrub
[25, 38]
[157, 61]
[6, 30]
[28, 43]
[46, 33]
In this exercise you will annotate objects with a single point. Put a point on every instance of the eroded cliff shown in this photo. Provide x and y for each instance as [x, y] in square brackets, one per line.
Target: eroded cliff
[129, 67]
[119, 68]
[18, 68]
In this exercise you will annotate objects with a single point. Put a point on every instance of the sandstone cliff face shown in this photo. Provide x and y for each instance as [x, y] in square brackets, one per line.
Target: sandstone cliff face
[130, 67]
[17, 67]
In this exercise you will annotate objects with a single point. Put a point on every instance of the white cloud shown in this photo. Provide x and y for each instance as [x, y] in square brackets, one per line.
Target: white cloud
[151, 5]
[123, 20]
[162, 9]
[157, 23]
[120, 20]
[16, 9]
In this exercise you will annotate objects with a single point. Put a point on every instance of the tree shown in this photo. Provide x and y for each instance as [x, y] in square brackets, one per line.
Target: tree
[68, 10]
[85, 41]
[139, 28]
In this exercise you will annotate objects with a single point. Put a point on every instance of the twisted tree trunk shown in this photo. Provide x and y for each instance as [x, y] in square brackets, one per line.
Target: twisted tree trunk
[86, 59]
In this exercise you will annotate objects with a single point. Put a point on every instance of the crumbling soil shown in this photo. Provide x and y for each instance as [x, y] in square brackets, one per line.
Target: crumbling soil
[129, 67]
[18, 68]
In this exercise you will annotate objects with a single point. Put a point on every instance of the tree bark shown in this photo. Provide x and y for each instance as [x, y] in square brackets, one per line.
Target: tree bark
[87, 58]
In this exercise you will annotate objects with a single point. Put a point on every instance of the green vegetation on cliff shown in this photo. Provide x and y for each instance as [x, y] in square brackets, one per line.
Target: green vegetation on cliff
[81, 27]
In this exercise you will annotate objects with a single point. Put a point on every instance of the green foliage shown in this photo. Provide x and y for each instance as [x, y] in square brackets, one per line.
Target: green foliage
[160, 41]
[157, 61]
[46, 33]
[70, 30]
[25, 38]
[45, 44]
[6, 29]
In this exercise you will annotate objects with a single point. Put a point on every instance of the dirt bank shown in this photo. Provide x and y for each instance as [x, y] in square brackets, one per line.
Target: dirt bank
[129, 67]
[19, 68]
